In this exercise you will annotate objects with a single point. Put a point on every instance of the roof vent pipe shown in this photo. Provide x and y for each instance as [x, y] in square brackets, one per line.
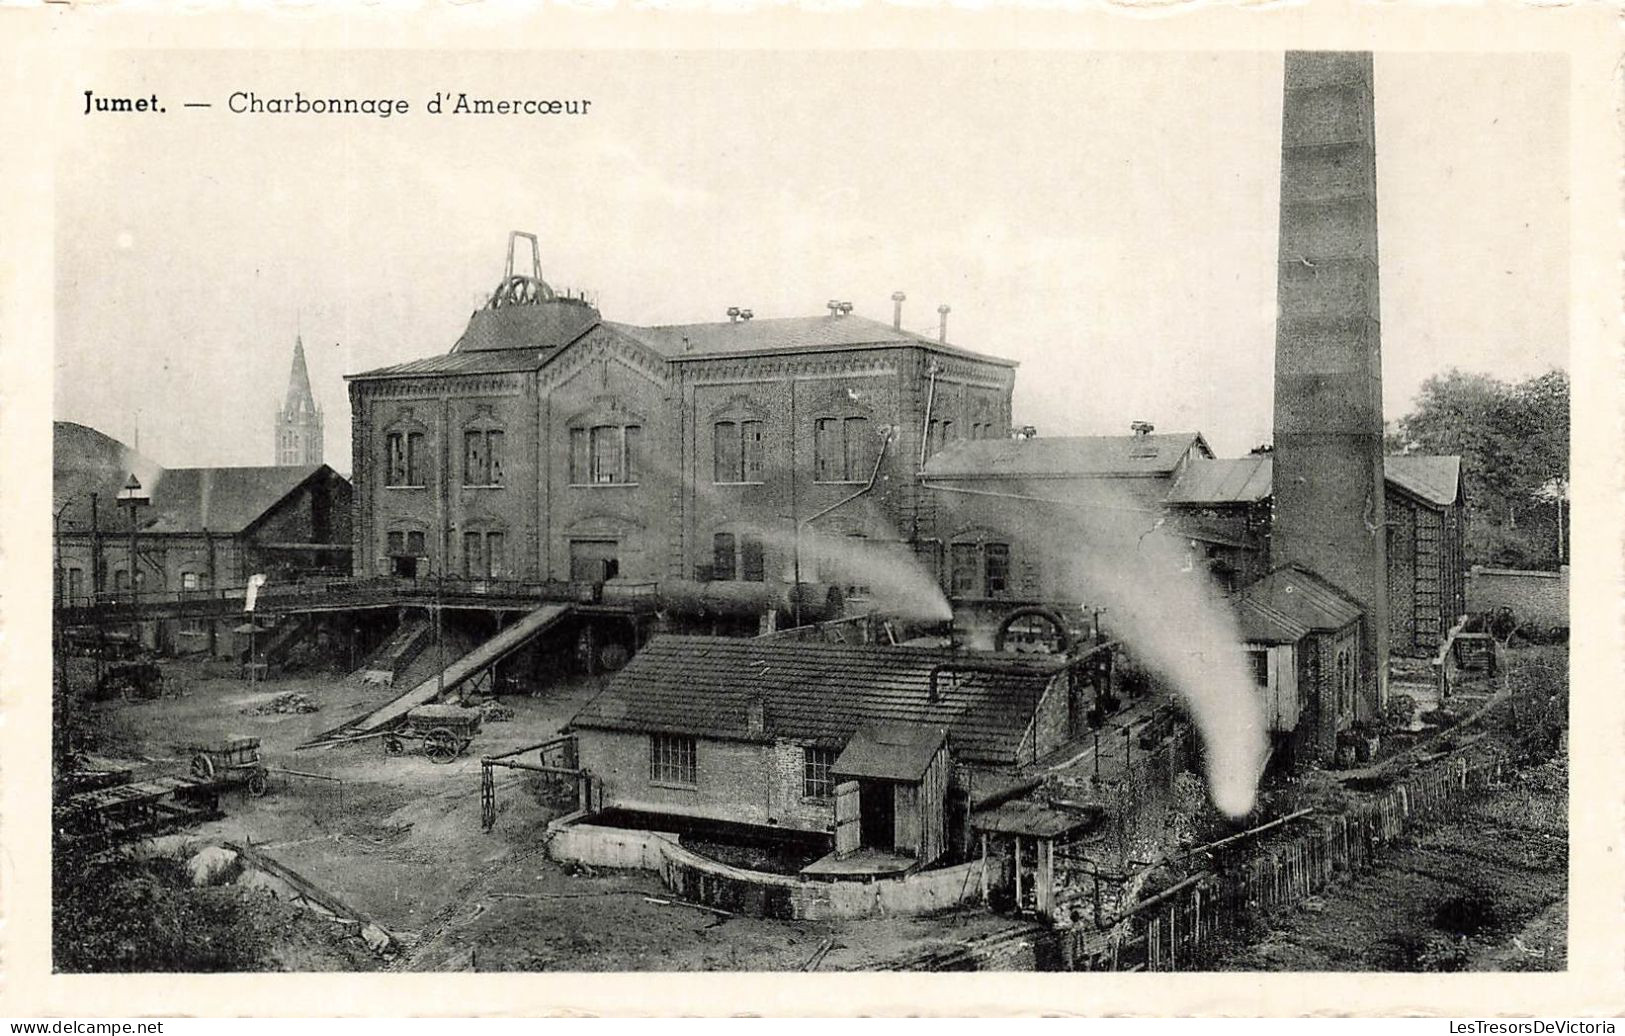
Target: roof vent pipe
[834, 307]
[897, 298]
[942, 328]
[745, 314]
[845, 308]
[1142, 427]
[733, 314]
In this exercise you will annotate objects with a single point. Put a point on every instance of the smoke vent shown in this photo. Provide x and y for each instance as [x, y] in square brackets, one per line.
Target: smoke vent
[897, 299]
[942, 322]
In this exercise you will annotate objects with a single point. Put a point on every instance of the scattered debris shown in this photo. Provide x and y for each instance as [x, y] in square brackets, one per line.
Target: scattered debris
[493, 711]
[287, 702]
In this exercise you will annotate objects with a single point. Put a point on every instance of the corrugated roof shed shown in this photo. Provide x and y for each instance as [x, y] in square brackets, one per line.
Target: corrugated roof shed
[1230, 480]
[1071, 455]
[1289, 603]
[1435, 479]
[1240, 480]
[815, 692]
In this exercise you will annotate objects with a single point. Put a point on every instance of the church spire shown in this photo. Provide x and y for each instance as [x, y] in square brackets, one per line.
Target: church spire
[299, 422]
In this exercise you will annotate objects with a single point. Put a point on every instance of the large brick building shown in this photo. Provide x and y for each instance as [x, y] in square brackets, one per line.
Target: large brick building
[550, 444]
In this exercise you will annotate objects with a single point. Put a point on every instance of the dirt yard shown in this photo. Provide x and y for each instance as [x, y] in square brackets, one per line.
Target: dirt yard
[399, 840]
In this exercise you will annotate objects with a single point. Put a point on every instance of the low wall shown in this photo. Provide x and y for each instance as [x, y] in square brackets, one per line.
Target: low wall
[756, 893]
[1539, 598]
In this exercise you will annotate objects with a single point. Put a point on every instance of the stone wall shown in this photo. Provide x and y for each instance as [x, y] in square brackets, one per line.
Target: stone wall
[1539, 598]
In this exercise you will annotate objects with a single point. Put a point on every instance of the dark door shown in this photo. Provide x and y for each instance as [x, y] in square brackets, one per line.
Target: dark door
[878, 814]
[593, 561]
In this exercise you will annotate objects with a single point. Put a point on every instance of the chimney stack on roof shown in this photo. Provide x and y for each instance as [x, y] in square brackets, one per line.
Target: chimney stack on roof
[733, 314]
[1142, 427]
[942, 327]
[897, 298]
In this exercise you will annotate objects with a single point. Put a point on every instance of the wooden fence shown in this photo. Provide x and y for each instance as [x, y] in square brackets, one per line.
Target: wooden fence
[1180, 929]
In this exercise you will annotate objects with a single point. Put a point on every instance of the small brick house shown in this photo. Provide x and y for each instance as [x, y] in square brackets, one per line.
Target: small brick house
[877, 749]
[1302, 637]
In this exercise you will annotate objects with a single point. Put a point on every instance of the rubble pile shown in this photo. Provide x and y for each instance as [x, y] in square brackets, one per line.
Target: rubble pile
[493, 711]
[287, 702]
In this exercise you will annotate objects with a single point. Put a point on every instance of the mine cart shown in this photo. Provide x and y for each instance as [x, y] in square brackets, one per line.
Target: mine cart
[445, 730]
[230, 761]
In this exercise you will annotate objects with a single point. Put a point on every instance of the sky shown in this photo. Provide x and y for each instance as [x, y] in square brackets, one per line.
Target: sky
[1106, 219]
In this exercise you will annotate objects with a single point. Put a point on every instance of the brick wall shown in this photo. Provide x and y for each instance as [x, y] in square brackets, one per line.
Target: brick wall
[1541, 598]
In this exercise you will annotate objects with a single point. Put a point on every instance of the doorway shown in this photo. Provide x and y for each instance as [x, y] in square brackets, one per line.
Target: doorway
[594, 561]
[877, 815]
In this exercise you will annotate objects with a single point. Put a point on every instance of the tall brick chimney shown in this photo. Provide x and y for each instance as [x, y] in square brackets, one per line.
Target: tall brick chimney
[1329, 515]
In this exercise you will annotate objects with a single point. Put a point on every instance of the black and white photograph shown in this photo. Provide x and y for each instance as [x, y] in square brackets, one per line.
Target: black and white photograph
[811, 510]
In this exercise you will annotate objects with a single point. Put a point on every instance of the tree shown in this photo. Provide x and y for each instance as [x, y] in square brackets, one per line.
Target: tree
[1513, 440]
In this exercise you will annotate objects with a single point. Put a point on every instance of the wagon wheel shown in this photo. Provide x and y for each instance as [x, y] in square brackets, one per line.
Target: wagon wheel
[203, 767]
[257, 783]
[393, 745]
[441, 745]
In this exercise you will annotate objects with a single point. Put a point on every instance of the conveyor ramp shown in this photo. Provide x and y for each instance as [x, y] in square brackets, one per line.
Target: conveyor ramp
[488, 654]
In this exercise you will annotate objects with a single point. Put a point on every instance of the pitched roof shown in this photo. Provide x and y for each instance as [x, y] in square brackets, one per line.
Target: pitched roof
[1289, 603]
[1248, 479]
[1433, 478]
[226, 500]
[86, 461]
[784, 334]
[890, 751]
[1230, 480]
[1068, 455]
[1037, 819]
[814, 691]
[491, 361]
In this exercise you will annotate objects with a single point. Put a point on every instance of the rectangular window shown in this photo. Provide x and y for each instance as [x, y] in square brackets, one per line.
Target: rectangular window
[828, 451]
[416, 456]
[76, 582]
[750, 559]
[395, 462]
[476, 470]
[671, 760]
[606, 454]
[726, 464]
[722, 556]
[1258, 663]
[963, 575]
[815, 766]
[578, 456]
[632, 433]
[397, 543]
[998, 569]
[750, 438]
[188, 580]
[494, 560]
[860, 455]
[493, 458]
[414, 545]
[473, 555]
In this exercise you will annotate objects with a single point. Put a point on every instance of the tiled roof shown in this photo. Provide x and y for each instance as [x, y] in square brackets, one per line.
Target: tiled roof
[1434, 479]
[1232, 480]
[1289, 603]
[1060, 456]
[224, 500]
[814, 691]
[784, 334]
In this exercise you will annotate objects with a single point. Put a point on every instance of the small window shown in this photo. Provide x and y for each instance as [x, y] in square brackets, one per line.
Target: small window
[405, 459]
[414, 545]
[1259, 664]
[828, 452]
[963, 577]
[751, 569]
[816, 764]
[494, 560]
[397, 543]
[606, 454]
[998, 569]
[727, 462]
[189, 581]
[750, 440]
[473, 555]
[722, 556]
[859, 453]
[671, 760]
[482, 458]
[578, 456]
